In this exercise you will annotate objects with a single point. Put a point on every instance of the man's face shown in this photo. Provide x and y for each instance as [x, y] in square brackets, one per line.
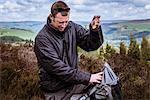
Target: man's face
[60, 22]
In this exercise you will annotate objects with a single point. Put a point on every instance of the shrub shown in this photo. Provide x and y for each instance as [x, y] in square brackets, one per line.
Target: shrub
[18, 81]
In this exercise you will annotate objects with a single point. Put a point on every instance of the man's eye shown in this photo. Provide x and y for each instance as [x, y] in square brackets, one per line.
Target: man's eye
[61, 22]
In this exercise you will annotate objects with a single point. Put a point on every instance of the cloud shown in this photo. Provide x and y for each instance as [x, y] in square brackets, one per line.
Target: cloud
[80, 9]
[78, 2]
[115, 10]
[24, 10]
[139, 2]
[147, 6]
[10, 6]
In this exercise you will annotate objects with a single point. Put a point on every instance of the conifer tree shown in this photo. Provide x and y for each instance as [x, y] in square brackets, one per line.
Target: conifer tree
[122, 48]
[109, 51]
[145, 48]
[101, 52]
[133, 50]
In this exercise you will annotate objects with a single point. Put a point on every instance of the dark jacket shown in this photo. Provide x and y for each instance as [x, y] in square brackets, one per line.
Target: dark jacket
[57, 56]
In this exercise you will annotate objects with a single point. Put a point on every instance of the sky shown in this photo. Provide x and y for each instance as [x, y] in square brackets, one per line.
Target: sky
[81, 10]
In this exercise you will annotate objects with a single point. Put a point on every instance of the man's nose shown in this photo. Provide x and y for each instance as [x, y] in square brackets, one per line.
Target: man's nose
[64, 25]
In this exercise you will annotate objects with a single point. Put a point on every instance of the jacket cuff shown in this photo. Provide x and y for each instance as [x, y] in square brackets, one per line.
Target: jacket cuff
[87, 77]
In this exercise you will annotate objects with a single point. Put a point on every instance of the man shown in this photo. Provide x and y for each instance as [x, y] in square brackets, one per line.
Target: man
[56, 52]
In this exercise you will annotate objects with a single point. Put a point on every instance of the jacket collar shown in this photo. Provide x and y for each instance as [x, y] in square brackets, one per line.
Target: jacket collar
[55, 31]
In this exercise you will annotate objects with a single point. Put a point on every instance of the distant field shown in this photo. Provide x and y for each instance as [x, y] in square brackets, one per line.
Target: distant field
[117, 32]
[114, 32]
[22, 33]
[138, 26]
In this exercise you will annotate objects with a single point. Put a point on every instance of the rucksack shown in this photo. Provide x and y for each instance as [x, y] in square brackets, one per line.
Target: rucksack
[103, 91]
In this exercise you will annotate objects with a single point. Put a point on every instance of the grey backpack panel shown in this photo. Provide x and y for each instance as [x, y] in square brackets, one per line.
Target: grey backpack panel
[109, 77]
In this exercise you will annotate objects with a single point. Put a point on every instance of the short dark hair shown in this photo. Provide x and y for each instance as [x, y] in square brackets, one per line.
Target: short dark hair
[60, 6]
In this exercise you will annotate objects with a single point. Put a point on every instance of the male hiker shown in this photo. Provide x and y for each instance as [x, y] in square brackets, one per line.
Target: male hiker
[56, 52]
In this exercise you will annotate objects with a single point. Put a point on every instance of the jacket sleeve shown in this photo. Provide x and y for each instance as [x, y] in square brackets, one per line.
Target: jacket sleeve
[89, 40]
[50, 61]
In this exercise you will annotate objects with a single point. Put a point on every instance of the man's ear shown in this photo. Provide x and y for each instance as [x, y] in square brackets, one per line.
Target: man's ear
[51, 17]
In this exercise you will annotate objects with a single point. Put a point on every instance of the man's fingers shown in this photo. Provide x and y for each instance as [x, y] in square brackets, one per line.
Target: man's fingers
[95, 22]
[96, 78]
[100, 73]
[98, 81]
[100, 76]
[96, 17]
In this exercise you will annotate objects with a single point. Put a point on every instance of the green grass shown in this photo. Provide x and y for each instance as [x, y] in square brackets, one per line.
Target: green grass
[24, 34]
